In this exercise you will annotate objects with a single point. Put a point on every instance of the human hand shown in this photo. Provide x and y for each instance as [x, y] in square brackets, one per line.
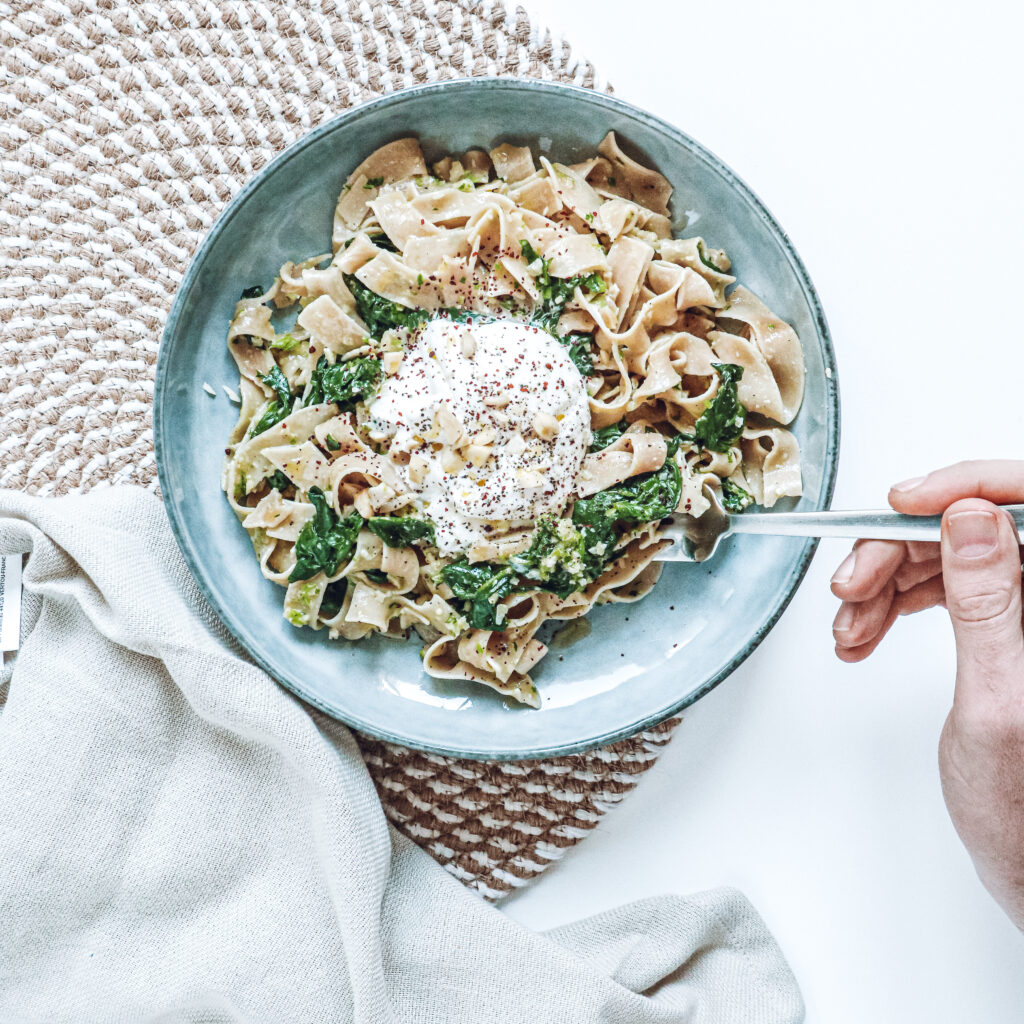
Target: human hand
[975, 573]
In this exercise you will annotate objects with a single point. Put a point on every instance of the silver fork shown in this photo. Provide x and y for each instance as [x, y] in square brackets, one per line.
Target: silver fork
[697, 539]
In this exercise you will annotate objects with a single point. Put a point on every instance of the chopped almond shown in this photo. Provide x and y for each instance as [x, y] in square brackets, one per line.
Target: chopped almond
[545, 426]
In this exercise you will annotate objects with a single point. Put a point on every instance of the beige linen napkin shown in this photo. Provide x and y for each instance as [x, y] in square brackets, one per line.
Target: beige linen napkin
[182, 840]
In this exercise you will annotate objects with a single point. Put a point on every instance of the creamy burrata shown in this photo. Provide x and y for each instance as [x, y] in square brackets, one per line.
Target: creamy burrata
[489, 424]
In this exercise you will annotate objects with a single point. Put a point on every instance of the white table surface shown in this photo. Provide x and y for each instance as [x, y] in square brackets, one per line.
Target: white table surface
[886, 138]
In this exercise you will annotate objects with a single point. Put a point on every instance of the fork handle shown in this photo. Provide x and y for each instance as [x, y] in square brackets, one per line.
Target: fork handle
[880, 524]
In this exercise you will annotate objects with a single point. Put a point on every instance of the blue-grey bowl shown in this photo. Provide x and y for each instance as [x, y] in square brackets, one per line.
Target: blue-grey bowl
[640, 663]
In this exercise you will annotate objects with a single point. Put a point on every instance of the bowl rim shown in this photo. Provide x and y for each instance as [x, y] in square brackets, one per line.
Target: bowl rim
[609, 102]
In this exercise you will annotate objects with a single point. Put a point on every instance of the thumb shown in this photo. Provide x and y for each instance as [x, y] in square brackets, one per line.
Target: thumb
[981, 572]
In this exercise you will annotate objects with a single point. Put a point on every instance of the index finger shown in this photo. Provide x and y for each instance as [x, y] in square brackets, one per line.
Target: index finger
[1000, 481]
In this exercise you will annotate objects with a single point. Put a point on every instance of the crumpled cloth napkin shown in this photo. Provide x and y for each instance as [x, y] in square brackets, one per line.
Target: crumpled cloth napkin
[182, 840]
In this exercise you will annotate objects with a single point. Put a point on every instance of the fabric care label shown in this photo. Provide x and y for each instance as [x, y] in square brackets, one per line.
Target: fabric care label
[10, 602]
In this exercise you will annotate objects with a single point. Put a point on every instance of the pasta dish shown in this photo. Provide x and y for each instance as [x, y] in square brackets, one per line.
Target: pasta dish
[475, 413]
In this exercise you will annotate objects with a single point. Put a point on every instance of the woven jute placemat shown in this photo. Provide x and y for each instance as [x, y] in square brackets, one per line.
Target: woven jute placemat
[126, 128]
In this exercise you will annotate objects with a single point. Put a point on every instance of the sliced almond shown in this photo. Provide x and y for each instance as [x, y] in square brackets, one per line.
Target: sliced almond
[446, 423]
[363, 504]
[478, 454]
[529, 477]
[545, 426]
[417, 470]
[451, 462]
[379, 495]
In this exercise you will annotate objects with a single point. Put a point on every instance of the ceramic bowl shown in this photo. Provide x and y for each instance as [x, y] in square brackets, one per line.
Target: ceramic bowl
[638, 663]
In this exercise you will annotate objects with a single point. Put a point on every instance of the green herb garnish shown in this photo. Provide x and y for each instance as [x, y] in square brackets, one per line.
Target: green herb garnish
[707, 263]
[580, 353]
[558, 560]
[555, 292]
[734, 498]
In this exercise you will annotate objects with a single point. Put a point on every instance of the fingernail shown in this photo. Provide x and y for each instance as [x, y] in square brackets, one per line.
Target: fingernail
[844, 573]
[844, 620]
[973, 534]
[909, 485]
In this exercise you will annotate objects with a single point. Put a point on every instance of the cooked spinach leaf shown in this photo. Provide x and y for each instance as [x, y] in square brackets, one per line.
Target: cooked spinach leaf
[325, 541]
[383, 242]
[734, 498]
[277, 409]
[278, 480]
[333, 599]
[272, 415]
[640, 499]
[481, 585]
[380, 314]
[376, 576]
[252, 292]
[344, 383]
[721, 423]
[606, 436]
[276, 381]
[401, 531]
[674, 443]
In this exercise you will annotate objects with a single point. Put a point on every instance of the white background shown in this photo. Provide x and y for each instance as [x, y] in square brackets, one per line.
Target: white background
[888, 139]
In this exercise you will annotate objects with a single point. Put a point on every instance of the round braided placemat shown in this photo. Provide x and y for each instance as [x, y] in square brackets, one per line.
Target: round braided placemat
[126, 128]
